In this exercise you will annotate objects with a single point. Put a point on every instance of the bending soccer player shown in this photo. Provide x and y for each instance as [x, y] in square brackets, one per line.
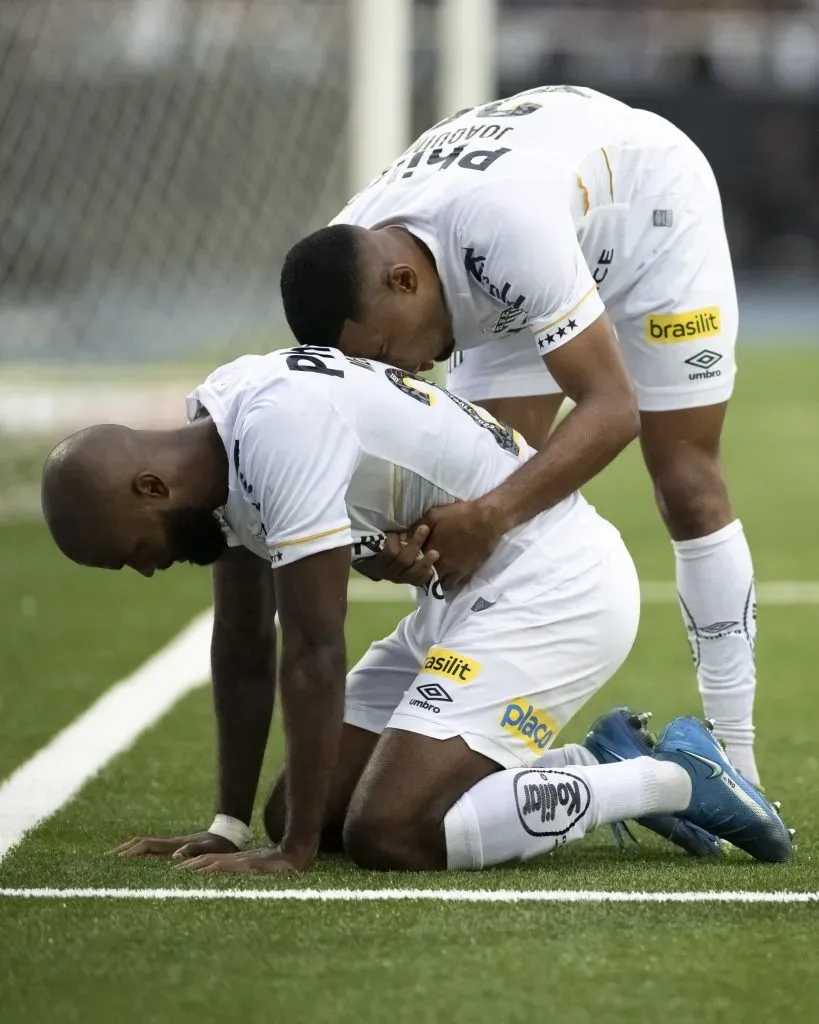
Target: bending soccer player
[444, 758]
[538, 232]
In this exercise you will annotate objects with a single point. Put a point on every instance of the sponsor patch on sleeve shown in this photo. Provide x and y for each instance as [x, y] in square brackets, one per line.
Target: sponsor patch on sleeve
[674, 328]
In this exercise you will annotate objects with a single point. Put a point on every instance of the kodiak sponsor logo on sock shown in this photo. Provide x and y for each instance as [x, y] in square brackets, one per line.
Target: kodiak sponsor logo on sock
[550, 802]
[457, 668]
[534, 726]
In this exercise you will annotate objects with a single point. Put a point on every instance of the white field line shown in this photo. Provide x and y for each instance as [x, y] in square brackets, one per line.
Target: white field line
[775, 592]
[56, 773]
[49, 779]
[433, 895]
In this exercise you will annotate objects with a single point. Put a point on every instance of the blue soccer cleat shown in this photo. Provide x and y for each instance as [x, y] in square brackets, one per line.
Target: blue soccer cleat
[722, 801]
[621, 735]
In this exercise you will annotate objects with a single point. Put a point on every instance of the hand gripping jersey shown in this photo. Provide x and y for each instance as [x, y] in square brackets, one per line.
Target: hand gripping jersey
[326, 451]
[530, 206]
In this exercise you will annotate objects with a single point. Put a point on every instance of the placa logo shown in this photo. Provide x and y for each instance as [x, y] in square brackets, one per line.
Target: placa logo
[534, 726]
[673, 328]
[450, 665]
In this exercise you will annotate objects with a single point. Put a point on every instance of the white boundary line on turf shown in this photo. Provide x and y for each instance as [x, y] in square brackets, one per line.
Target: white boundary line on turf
[56, 773]
[774, 592]
[49, 779]
[434, 895]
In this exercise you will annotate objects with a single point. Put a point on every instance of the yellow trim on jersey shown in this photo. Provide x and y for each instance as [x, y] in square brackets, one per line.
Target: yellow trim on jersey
[608, 167]
[304, 540]
[577, 304]
[585, 192]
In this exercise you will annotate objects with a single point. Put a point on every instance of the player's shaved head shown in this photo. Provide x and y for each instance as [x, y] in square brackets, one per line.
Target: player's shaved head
[113, 496]
[85, 479]
[370, 292]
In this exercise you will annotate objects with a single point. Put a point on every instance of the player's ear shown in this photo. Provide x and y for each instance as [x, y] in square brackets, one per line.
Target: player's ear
[402, 278]
[148, 485]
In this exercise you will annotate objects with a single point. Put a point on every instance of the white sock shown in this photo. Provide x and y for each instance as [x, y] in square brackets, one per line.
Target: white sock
[715, 583]
[520, 813]
[561, 757]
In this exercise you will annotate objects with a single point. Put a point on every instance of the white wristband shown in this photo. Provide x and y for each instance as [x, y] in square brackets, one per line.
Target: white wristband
[232, 829]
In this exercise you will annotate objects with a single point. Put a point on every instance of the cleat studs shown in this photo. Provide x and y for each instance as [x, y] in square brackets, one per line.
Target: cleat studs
[791, 832]
[777, 804]
[645, 717]
[709, 724]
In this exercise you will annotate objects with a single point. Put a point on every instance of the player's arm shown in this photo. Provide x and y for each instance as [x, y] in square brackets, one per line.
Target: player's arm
[243, 666]
[603, 421]
[312, 600]
[531, 249]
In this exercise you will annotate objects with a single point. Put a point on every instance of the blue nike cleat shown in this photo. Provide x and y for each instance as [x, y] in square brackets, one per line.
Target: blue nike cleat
[722, 801]
[621, 735]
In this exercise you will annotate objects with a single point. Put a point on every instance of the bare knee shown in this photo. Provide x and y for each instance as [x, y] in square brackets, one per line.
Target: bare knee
[379, 839]
[691, 494]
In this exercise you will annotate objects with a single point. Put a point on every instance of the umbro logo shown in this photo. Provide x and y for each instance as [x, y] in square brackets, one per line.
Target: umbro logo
[433, 691]
[704, 360]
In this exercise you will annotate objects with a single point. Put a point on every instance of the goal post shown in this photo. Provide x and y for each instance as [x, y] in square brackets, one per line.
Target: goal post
[466, 54]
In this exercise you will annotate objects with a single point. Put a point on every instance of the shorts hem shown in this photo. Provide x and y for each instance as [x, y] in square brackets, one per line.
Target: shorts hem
[485, 745]
[671, 399]
[505, 387]
[366, 718]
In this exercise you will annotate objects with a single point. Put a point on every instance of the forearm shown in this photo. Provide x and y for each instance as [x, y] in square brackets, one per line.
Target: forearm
[244, 677]
[583, 444]
[312, 697]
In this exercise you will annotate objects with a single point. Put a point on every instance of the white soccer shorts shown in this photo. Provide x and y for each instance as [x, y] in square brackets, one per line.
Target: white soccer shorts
[506, 664]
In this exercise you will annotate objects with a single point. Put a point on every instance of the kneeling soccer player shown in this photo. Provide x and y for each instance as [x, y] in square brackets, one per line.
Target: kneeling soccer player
[291, 460]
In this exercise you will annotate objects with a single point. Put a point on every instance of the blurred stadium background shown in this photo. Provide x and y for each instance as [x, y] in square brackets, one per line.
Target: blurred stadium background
[159, 157]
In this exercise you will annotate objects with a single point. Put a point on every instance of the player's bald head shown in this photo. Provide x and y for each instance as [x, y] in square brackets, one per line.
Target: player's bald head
[114, 497]
[370, 292]
[86, 483]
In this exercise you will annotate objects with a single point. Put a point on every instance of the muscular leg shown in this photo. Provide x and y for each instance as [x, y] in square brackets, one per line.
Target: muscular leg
[715, 581]
[533, 417]
[427, 804]
[356, 747]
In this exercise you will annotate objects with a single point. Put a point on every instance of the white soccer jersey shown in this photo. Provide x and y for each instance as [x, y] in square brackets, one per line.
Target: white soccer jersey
[522, 203]
[326, 451]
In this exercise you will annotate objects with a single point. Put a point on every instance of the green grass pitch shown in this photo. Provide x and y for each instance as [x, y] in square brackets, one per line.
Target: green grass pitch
[67, 634]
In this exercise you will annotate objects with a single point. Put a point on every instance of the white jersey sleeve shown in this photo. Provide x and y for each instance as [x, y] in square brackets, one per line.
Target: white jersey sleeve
[531, 250]
[296, 480]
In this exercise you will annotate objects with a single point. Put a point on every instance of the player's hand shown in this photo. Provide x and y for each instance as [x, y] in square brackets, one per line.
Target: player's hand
[402, 559]
[267, 860]
[175, 846]
[465, 534]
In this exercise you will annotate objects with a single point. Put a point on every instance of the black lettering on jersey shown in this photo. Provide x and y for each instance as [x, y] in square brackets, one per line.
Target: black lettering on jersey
[482, 159]
[498, 109]
[358, 361]
[304, 360]
[468, 159]
[437, 157]
[503, 435]
[474, 266]
[372, 543]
